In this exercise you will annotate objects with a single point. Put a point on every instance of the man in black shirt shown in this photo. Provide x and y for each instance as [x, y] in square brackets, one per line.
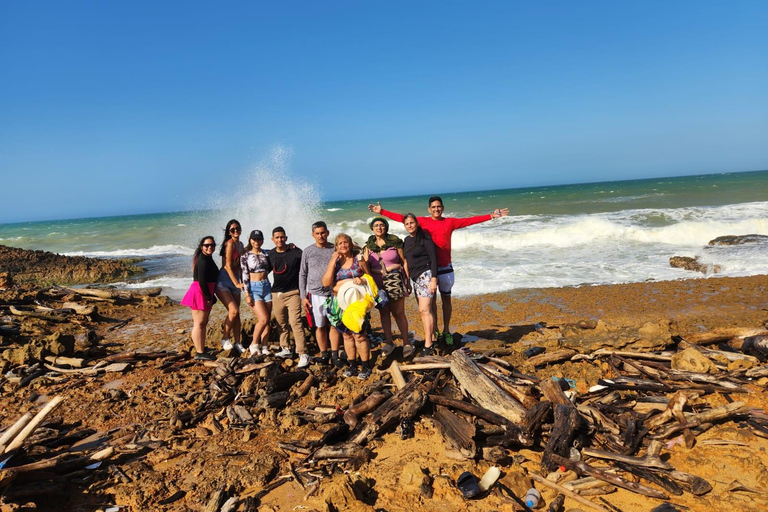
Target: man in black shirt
[286, 302]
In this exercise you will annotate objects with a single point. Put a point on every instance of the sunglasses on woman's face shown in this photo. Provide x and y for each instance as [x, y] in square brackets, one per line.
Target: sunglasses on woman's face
[235, 230]
[209, 245]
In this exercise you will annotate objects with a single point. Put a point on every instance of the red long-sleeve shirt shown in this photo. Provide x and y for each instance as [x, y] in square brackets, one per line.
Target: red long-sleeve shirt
[441, 230]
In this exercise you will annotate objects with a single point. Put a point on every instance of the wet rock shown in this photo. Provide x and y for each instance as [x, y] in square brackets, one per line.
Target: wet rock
[739, 239]
[692, 360]
[85, 340]
[688, 263]
[649, 336]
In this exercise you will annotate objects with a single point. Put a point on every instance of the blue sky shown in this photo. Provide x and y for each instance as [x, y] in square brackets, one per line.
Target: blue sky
[133, 107]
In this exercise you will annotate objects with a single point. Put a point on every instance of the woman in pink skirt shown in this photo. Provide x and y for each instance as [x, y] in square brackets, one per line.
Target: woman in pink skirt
[200, 297]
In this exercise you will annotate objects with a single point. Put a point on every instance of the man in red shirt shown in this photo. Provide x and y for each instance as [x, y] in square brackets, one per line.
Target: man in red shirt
[440, 229]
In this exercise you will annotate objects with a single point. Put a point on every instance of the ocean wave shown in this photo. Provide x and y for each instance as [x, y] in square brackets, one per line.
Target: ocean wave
[334, 209]
[591, 230]
[155, 250]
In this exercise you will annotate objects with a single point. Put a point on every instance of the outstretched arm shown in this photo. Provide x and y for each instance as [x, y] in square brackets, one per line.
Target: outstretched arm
[471, 221]
[377, 209]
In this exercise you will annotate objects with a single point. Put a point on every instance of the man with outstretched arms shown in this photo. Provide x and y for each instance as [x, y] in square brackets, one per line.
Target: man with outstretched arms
[314, 261]
[440, 229]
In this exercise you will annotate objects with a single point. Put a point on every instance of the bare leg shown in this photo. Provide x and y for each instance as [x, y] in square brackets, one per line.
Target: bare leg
[262, 319]
[398, 311]
[231, 301]
[362, 345]
[425, 310]
[199, 324]
[447, 310]
[321, 334]
[265, 334]
[386, 323]
[349, 348]
[333, 336]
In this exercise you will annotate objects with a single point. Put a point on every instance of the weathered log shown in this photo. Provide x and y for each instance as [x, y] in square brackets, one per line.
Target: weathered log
[457, 433]
[51, 317]
[546, 358]
[284, 381]
[586, 469]
[253, 367]
[712, 415]
[643, 462]
[81, 309]
[552, 485]
[405, 404]
[305, 386]
[695, 484]
[659, 479]
[566, 426]
[352, 415]
[74, 362]
[342, 451]
[520, 393]
[424, 366]
[18, 441]
[13, 430]
[552, 391]
[483, 389]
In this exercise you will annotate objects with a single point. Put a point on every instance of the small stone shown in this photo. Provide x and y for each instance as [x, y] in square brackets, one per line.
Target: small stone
[202, 432]
[181, 331]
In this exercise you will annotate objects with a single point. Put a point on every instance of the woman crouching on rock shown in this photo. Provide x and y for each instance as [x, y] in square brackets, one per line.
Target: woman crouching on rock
[420, 254]
[384, 255]
[200, 297]
[343, 267]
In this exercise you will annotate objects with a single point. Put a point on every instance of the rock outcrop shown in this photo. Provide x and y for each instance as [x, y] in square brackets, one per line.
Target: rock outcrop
[43, 268]
[694, 264]
[739, 239]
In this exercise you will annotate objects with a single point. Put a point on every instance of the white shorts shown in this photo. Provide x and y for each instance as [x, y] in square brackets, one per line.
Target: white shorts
[445, 279]
[319, 317]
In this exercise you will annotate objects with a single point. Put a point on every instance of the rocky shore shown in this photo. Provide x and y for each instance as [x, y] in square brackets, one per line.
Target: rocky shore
[42, 268]
[141, 426]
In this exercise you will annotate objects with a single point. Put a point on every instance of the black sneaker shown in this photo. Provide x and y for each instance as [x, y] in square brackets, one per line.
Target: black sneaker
[338, 362]
[204, 356]
[364, 373]
[324, 360]
[428, 351]
[352, 370]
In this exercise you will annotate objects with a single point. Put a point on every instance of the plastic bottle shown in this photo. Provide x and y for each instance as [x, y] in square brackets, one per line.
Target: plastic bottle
[532, 498]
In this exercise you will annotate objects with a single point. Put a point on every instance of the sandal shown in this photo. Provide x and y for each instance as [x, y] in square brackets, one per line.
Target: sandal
[468, 485]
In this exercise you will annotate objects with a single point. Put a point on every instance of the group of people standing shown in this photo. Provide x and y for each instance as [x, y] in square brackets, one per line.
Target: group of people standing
[310, 281]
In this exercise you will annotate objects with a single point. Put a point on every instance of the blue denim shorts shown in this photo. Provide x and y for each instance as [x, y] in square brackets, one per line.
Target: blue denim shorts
[261, 290]
[224, 282]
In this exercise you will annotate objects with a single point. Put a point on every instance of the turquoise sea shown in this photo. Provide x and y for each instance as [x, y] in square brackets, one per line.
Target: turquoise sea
[594, 233]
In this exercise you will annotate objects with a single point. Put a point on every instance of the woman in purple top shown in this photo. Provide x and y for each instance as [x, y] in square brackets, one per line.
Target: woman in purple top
[342, 267]
[384, 254]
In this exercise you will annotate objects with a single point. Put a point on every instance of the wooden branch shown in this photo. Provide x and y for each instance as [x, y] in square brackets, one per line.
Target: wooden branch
[483, 390]
[586, 469]
[712, 415]
[559, 488]
[405, 404]
[18, 441]
[353, 414]
[13, 430]
[397, 375]
[546, 358]
[552, 391]
[643, 462]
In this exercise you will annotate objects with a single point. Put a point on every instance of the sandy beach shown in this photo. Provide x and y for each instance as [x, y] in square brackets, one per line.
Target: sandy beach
[180, 468]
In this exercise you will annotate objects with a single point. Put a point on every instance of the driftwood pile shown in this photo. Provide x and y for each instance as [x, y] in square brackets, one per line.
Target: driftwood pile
[53, 330]
[590, 443]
